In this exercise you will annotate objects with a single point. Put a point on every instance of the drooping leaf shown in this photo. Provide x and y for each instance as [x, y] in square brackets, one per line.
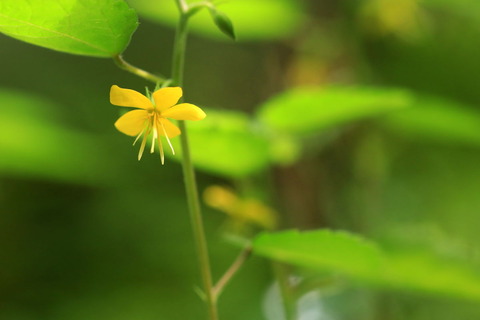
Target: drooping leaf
[253, 20]
[223, 22]
[307, 110]
[364, 261]
[226, 143]
[87, 27]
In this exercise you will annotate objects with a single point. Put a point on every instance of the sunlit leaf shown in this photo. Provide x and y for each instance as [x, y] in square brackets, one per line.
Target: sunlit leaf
[226, 143]
[87, 27]
[253, 20]
[364, 261]
[437, 120]
[306, 110]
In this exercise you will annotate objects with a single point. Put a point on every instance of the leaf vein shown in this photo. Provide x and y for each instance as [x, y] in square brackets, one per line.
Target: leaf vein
[56, 32]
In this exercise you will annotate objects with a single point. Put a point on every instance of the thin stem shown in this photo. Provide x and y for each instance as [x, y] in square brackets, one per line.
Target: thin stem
[188, 170]
[182, 6]
[228, 275]
[195, 7]
[282, 274]
[119, 61]
[197, 224]
[179, 51]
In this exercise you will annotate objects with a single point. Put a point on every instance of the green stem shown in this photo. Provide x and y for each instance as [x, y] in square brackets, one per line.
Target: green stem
[197, 224]
[179, 51]
[119, 61]
[188, 170]
[228, 275]
[182, 6]
[282, 275]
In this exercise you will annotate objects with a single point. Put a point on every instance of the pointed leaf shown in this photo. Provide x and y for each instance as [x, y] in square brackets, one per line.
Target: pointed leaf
[223, 22]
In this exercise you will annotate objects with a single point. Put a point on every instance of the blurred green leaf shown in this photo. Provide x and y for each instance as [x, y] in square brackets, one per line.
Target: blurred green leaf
[33, 144]
[253, 20]
[223, 22]
[87, 27]
[339, 251]
[364, 261]
[226, 143]
[307, 110]
[438, 120]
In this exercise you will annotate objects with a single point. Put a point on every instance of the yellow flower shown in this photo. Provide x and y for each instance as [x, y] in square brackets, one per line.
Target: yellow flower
[151, 116]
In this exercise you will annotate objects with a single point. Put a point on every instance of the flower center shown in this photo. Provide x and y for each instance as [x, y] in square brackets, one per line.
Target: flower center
[152, 113]
[155, 128]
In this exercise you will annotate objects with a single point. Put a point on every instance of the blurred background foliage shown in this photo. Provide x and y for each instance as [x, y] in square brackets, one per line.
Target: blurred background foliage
[354, 115]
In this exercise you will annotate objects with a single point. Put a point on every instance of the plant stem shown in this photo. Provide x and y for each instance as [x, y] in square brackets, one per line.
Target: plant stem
[188, 170]
[179, 51]
[119, 61]
[182, 6]
[228, 275]
[282, 275]
[197, 224]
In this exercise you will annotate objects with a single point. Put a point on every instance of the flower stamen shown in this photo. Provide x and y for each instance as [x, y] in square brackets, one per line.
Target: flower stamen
[166, 137]
[142, 146]
[158, 137]
[154, 136]
[152, 147]
[140, 134]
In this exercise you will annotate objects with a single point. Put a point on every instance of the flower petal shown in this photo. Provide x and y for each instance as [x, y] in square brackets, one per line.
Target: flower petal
[166, 97]
[184, 111]
[132, 122]
[129, 98]
[165, 126]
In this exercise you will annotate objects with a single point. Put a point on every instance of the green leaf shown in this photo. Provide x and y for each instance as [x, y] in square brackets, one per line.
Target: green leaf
[364, 261]
[254, 20]
[87, 27]
[308, 110]
[226, 143]
[34, 144]
[223, 22]
[338, 251]
[437, 120]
